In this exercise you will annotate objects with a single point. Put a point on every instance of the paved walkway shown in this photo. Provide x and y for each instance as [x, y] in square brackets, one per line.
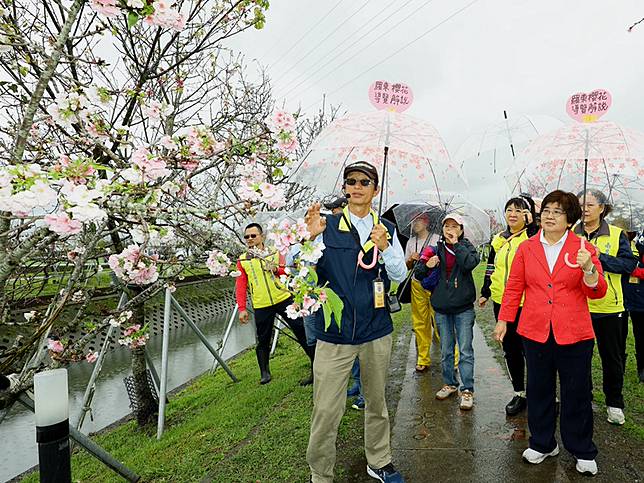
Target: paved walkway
[434, 441]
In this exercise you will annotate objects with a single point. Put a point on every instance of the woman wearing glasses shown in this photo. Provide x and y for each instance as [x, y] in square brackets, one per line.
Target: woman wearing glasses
[520, 216]
[556, 329]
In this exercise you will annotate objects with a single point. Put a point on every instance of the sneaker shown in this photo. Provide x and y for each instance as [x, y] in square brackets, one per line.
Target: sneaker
[467, 400]
[354, 390]
[516, 405]
[586, 467]
[358, 403]
[615, 415]
[533, 456]
[446, 392]
[386, 474]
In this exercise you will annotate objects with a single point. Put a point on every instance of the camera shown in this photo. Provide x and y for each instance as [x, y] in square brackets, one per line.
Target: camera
[393, 303]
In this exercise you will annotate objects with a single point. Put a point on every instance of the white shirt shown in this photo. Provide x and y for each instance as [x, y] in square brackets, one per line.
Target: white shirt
[552, 251]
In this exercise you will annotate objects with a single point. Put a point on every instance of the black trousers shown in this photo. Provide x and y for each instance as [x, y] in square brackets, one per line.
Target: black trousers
[572, 363]
[265, 319]
[513, 350]
[638, 333]
[611, 345]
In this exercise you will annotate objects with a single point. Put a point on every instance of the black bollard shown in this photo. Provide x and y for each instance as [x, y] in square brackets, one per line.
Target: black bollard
[54, 454]
[52, 426]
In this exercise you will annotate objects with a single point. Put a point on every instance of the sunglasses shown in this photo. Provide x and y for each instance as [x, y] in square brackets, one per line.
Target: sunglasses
[353, 182]
[251, 235]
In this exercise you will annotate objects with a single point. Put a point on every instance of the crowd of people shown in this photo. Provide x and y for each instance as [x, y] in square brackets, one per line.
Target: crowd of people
[559, 277]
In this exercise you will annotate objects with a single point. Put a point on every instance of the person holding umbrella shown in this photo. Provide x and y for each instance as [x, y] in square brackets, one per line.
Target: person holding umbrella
[520, 216]
[362, 256]
[610, 323]
[556, 329]
[422, 313]
[453, 300]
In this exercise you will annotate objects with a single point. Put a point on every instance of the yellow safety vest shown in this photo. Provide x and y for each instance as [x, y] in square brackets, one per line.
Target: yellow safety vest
[505, 251]
[264, 291]
[613, 301]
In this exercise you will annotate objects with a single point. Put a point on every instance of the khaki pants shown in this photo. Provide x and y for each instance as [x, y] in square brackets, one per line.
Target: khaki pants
[331, 369]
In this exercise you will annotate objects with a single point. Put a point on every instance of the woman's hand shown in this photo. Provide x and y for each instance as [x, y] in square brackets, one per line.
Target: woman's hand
[482, 301]
[584, 259]
[500, 329]
[451, 238]
[432, 262]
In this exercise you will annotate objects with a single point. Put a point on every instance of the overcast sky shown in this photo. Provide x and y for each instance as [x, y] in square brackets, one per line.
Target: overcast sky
[522, 56]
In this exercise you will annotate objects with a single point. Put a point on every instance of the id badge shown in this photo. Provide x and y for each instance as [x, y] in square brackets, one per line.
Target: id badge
[633, 280]
[378, 294]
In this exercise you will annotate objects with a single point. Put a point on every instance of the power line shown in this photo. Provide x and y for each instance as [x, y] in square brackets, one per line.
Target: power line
[321, 41]
[424, 34]
[307, 32]
[288, 86]
[413, 12]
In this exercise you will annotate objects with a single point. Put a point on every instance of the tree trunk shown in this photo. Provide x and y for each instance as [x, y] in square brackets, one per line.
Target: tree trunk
[146, 407]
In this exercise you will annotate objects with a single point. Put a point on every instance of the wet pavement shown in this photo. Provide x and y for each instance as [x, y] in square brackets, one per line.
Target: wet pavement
[435, 441]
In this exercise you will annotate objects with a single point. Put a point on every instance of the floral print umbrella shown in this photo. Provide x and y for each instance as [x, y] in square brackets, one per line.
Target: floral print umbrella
[417, 157]
[556, 160]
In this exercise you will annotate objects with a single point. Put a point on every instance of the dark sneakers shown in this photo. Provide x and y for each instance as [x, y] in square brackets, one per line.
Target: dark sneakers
[386, 474]
[516, 405]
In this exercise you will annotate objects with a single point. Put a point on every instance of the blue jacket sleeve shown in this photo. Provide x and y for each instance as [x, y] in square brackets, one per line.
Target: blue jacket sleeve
[624, 262]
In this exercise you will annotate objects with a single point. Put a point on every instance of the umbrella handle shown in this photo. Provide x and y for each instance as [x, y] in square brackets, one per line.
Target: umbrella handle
[568, 262]
[373, 262]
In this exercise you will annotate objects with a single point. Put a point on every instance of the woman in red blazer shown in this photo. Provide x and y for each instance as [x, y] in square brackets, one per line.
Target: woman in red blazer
[556, 329]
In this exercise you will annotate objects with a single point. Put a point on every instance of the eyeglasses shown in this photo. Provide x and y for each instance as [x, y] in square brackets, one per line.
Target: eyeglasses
[552, 213]
[363, 182]
[251, 235]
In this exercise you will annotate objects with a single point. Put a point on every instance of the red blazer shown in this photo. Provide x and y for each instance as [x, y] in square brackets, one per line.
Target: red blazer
[559, 298]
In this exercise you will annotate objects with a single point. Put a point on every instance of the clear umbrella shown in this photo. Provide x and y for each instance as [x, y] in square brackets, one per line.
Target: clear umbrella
[409, 151]
[578, 156]
[477, 221]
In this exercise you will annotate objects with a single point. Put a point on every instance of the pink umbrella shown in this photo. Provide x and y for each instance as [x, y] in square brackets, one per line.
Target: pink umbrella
[577, 156]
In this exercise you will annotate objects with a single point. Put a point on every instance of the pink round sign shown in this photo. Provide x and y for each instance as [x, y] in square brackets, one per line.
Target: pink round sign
[589, 107]
[391, 96]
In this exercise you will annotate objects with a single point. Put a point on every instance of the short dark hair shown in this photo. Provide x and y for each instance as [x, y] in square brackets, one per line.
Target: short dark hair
[569, 204]
[601, 198]
[254, 225]
[524, 202]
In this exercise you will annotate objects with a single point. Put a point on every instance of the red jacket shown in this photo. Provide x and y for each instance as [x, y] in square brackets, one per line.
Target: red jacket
[559, 298]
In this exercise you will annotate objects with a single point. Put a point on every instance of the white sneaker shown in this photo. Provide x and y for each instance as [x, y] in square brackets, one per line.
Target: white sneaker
[533, 456]
[467, 400]
[615, 415]
[586, 467]
[445, 392]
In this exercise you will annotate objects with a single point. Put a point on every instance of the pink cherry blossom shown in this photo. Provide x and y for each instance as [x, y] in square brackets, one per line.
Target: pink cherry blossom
[108, 8]
[55, 346]
[91, 357]
[62, 224]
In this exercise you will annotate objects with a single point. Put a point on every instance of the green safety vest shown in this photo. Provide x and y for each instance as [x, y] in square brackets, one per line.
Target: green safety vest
[264, 291]
[613, 301]
[505, 251]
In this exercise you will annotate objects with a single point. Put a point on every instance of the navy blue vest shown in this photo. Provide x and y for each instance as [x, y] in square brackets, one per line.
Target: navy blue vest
[361, 322]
